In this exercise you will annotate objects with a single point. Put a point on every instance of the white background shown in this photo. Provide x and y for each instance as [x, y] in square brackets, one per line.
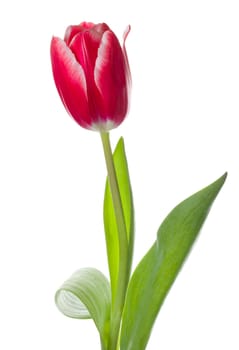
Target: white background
[181, 134]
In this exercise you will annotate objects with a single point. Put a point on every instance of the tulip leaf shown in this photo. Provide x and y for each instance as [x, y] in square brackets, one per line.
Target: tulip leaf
[111, 230]
[86, 294]
[157, 271]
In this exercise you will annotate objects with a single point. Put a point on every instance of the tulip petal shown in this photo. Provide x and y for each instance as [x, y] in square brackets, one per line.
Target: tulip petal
[127, 67]
[71, 31]
[85, 46]
[110, 79]
[70, 82]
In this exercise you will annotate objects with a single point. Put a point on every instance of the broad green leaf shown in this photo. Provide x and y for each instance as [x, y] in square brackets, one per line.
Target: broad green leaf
[86, 294]
[111, 231]
[157, 271]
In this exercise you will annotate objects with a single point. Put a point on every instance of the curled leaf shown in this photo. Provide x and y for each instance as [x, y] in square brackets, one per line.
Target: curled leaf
[86, 294]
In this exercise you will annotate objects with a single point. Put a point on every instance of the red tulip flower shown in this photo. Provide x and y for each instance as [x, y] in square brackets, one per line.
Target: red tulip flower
[92, 75]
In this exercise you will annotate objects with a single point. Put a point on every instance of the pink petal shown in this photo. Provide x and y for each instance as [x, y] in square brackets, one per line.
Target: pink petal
[85, 46]
[110, 79]
[100, 28]
[70, 82]
[71, 31]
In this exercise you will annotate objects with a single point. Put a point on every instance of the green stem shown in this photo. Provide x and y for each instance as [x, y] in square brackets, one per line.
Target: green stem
[123, 273]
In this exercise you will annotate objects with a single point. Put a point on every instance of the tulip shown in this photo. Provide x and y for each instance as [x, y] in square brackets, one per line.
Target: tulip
[92, 75]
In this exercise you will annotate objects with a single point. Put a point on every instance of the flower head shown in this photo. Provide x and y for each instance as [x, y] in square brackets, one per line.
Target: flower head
[92, 75]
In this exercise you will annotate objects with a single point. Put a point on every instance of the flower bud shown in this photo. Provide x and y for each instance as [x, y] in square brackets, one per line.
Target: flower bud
[92, 75]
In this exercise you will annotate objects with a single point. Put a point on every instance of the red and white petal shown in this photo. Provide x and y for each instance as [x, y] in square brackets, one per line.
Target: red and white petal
[85, 47]
[70, 82]
[110, 79]
[100, 28]
[73, 30]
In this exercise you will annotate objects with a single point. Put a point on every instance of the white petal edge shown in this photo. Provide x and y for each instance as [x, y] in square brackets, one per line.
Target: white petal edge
[101, 59]
[66, 56]
[128, 74]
